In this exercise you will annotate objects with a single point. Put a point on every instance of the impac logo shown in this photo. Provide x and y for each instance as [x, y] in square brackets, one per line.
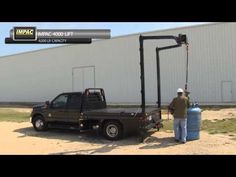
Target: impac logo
[24, 33]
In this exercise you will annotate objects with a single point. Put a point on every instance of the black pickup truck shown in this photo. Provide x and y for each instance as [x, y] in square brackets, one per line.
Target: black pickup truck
[88, 110]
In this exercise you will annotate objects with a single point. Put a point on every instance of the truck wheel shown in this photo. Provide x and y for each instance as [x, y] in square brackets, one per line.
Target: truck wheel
[112, 130]
[39, 123]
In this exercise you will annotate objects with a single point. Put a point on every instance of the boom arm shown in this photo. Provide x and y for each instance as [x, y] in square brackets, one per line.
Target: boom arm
[180, 39]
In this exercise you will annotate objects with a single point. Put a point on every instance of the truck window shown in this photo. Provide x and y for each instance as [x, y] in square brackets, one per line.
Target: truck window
[74, 101]
[94, 100]
[60, 101]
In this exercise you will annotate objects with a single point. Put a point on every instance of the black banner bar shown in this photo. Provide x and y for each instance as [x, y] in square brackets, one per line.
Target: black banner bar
[51, 41]
[67, 33]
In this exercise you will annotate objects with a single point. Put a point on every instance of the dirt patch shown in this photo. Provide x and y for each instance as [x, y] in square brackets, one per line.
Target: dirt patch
[214, 114]
[21, 138]
[219, 114]
[25, 110]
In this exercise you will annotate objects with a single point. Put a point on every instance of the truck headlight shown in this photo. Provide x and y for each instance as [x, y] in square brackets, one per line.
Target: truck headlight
[149, 118]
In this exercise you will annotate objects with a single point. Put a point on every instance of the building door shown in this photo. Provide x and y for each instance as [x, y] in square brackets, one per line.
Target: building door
[226, 89]
[83, 77]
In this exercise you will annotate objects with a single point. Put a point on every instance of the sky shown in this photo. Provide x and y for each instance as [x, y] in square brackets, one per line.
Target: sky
[117, 29]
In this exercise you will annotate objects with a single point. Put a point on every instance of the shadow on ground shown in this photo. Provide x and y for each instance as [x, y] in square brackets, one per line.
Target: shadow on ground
[91, 137]
[103, 149]
[155, 142]
[101, 145]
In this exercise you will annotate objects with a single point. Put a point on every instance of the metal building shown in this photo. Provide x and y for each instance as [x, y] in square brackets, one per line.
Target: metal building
[114, 65]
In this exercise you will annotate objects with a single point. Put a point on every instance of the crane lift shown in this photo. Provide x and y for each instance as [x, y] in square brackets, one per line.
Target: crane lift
[180, 40]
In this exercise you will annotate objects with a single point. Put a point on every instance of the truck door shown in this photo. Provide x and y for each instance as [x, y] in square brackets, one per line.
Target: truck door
[57, 110]
[73, 107]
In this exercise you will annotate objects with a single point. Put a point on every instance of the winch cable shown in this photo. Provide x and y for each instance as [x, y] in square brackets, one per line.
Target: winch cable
[186, 82]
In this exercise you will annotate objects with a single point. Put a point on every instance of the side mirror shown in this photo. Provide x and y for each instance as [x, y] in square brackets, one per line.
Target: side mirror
[47, 103]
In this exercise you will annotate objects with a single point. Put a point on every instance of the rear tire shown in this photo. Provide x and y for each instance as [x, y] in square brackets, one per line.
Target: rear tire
[39, 123]
[112, 130]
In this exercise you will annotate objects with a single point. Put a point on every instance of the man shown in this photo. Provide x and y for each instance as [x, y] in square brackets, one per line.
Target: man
[178, 108]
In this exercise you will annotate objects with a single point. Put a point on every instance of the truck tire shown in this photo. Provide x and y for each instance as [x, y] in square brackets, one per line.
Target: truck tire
[39, 123]
[112, 130]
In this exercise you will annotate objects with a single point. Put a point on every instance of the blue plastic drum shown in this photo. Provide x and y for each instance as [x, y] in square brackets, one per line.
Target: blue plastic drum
[193, 122]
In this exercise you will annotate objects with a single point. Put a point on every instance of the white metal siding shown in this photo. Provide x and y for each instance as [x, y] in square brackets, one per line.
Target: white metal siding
[41, 75]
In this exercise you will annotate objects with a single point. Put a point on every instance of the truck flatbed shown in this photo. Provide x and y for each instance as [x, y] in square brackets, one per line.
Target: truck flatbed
[131, 111]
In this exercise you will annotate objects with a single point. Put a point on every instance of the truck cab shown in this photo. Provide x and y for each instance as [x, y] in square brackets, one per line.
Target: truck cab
[67, 107]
